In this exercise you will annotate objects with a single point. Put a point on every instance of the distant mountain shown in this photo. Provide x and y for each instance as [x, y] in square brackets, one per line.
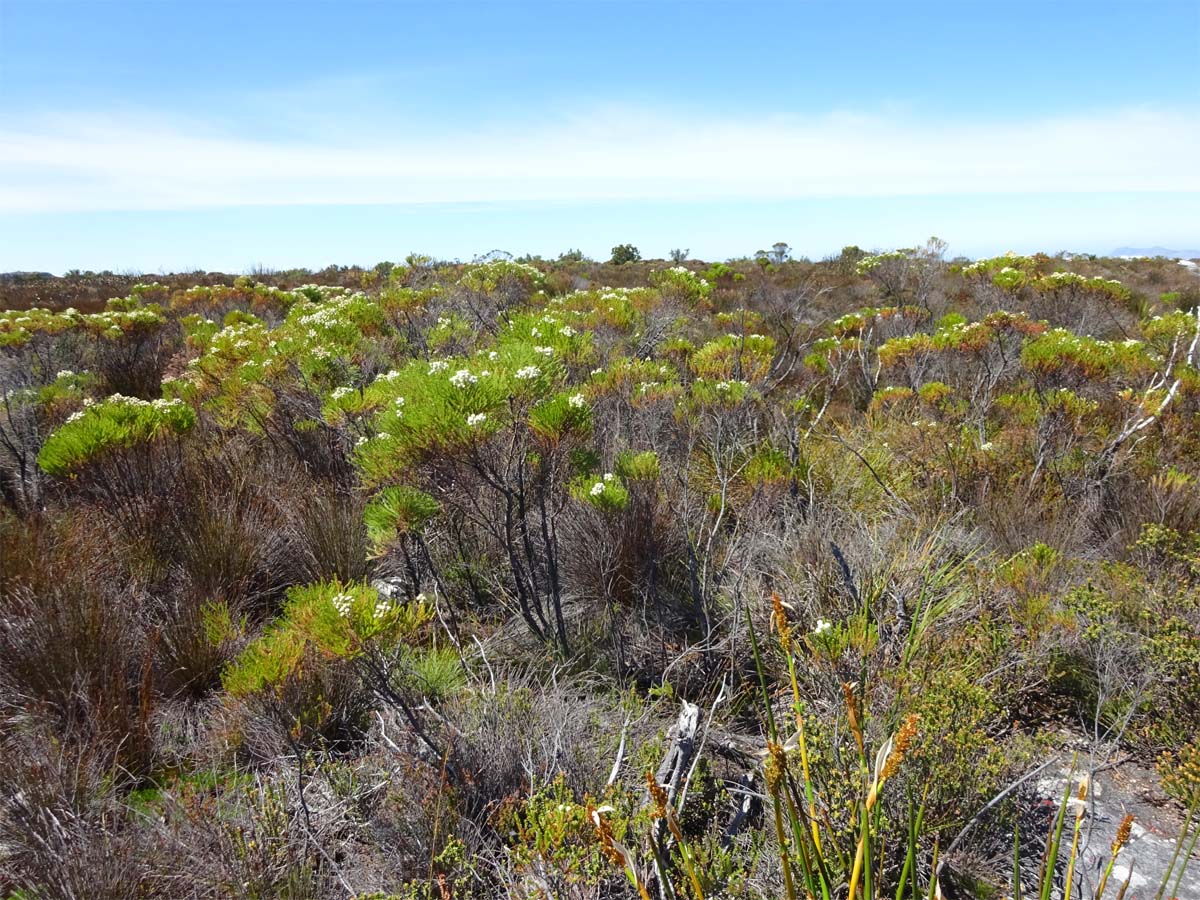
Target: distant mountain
[10, 277]
[1156, 251]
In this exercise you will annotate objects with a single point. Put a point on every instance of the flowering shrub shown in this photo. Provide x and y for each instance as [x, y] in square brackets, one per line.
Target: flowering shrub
[331, 619]
[206, 300]
[115, 423]
[18, 327]
[555, 418]
[726, 392]
[1009, 263]
[489, 276]
[605, 492]
[742, 357]
[1109, 288]
[681, 283]
[875, 261]
[1059, 351]
[427, 409]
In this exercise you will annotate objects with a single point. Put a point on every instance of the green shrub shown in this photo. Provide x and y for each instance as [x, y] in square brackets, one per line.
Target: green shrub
[116, 423]
[624, 253]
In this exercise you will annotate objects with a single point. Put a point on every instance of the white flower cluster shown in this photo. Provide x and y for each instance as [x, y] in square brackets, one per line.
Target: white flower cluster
[983, 266]
[325, 316]
[545, 351]
[339, 393]
[159, 404]
[496, 270]
[64, 373]
[343, 603]
[528, 373]
[870, 263]
[823, 626]
[1066, 277]
[474, 420]
[1073, 341]
[1097, 282]
[577, 401]
[850, 320]
[238, 336]
[116, 318]
[567, 331]
[389, 376]
[330, 308]
[75, 416]
[462, 378]
[598, 487]
[438, 365]
[684, 275]
[318, 292]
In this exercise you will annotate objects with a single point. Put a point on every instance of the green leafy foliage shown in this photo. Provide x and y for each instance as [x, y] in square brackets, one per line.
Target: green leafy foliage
[116, 423]
[625, 253]
[328, 619]
[397, 510]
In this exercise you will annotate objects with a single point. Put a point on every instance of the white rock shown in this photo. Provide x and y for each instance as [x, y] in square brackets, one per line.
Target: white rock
[1120, 873]
[387, 587]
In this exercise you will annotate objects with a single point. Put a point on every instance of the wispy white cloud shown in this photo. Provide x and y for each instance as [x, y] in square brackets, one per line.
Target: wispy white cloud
[73, 163]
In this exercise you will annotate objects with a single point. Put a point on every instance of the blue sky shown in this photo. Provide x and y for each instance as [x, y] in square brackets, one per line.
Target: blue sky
[161, 136]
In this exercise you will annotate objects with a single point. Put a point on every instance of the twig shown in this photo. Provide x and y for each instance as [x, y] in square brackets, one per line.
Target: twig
[687, 781]
[612, 776]
[383, 734]
[483, 656]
